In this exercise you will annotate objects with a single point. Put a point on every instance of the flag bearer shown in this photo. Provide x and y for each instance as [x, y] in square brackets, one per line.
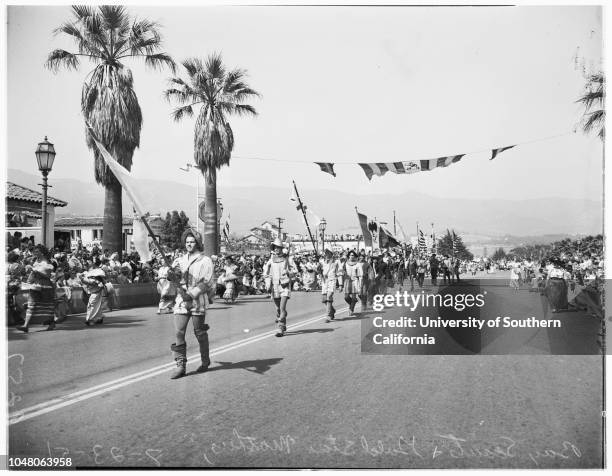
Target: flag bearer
[197, 278]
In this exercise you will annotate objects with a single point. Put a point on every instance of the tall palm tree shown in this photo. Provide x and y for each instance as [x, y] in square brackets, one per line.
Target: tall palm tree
[218, 93]
[593, 101]
[107, 36]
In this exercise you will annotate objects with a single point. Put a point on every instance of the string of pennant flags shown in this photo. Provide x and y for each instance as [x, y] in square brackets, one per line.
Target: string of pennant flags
[407, 167]
[379, 169]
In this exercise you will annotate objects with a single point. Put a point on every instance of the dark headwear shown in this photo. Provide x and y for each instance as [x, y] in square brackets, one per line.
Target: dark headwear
[191, 232]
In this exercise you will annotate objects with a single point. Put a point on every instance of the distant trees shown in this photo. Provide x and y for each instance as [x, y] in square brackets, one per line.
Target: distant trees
[499, 254]
[172, 228]
[451, 244]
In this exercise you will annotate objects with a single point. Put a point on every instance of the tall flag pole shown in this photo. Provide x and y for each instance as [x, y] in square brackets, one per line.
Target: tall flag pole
[302, 207]
[128, 183]
[433, 239]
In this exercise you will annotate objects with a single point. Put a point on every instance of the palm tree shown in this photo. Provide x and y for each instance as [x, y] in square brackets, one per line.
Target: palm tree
[594, 119]
[107, 36]
[219, 93]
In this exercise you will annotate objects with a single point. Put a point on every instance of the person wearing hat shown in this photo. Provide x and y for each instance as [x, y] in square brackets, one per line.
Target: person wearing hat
[197, 278]
[278, 272]
[353, 273]
[329, 272]
[94, 284]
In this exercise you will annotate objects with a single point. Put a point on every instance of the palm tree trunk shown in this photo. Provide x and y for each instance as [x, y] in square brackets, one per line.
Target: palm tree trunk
[112, 238]
[211, 245]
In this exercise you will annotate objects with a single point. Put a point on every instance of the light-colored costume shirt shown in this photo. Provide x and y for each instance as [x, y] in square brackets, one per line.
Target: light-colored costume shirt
[197, 272]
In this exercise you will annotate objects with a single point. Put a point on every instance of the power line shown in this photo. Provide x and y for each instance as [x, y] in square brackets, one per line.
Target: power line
[268, 159]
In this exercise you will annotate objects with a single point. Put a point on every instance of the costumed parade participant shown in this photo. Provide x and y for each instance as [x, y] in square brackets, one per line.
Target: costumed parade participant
[197, 279]
[353, 277]
[166, 288]
[41, 296]
[329, 271]
[94, 284]
[556, 287]
[230, 280]
[278, 272]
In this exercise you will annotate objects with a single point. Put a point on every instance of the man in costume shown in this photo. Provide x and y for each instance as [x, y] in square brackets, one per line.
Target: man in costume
[197, 278]
[328, 284]
[278, 272]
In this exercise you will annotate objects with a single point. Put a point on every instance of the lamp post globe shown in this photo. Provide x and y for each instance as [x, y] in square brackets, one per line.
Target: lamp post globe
[45, 156]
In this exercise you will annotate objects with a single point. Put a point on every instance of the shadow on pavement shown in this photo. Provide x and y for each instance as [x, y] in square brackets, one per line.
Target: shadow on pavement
[307, 331]
[259, 366]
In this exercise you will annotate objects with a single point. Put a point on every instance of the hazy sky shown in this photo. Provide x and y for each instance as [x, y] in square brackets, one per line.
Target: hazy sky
[345, 85]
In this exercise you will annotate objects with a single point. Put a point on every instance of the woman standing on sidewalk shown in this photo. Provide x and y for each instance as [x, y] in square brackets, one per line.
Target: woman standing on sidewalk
[41, 297]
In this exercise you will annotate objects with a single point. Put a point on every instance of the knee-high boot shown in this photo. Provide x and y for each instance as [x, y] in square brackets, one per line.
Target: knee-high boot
[179, 352]
[202, 337]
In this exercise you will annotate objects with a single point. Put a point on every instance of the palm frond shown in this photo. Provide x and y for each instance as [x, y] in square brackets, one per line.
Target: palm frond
[82, 11]
[214, 66]
[58, 58]
[181, 96]
[159, 60]
[594, 120]
[180, 112]
[114, 17]
[221, 94]
[193, 66]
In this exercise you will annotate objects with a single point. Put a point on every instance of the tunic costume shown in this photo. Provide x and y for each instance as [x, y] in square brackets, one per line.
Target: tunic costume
[41, 298]
[328, 285]
[93, 282]
[197, 281]
[166, 289]
[556, 289]
[277, 272]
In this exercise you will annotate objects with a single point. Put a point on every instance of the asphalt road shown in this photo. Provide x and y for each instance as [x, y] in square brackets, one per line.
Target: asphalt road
[102, 395]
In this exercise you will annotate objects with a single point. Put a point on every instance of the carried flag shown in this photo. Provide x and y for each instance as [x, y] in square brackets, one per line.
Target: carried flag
[363, 223]
[125, 178]
[327, 167]
[226, 229]
[140, 239]
[387, 239]
[422, 243]
[496, 152]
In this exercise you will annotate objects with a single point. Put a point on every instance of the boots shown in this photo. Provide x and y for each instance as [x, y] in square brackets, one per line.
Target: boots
[180, 356]
[202, 337]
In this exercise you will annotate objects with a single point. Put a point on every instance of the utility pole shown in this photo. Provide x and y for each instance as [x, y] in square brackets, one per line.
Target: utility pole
[394, 230]
[280, 235]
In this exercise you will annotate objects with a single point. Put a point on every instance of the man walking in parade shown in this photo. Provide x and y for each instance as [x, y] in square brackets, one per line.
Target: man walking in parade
[197, 278]
[330, 274]
[278, 272]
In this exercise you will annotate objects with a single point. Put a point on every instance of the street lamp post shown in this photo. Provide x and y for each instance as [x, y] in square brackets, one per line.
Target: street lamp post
[322, 226]
[45, 155]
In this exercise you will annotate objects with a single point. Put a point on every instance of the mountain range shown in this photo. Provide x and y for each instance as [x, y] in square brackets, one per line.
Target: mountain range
[251, 206]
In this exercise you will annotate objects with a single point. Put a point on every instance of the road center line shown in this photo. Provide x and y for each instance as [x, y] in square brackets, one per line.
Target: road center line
[75, 397]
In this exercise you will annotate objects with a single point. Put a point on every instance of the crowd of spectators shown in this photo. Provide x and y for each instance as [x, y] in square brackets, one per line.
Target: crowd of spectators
[241, 273]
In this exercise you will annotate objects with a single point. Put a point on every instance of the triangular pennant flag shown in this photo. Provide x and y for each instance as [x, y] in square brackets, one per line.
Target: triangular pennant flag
[496, 152]
[327, 167]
